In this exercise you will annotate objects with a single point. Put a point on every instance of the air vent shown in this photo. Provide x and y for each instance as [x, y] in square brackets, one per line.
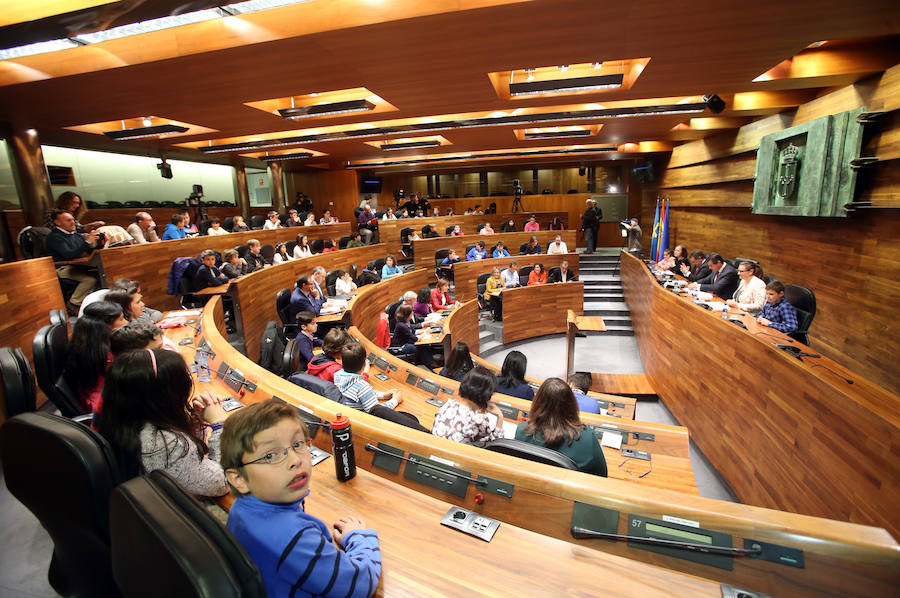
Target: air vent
[527, 88]
[558, 134]
[326, 109]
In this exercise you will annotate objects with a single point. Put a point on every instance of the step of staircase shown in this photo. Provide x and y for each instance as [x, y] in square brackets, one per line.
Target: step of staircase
[604, 295]
[592, 283]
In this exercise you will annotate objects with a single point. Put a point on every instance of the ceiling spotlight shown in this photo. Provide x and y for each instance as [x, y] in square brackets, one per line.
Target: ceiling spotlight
[147, 122]
[530, 74]
[714, 103]
[596, 65]
[563, 68]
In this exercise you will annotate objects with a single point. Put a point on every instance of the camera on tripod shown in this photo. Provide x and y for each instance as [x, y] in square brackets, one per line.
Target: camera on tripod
[193, 200]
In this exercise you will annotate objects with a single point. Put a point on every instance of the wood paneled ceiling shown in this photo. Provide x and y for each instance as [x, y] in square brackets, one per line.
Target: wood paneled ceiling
[431, 59]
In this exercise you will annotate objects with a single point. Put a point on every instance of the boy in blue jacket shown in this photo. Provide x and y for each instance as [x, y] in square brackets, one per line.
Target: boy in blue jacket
[265, 455]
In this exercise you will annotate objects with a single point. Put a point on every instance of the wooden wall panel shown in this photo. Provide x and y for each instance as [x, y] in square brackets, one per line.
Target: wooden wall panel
[465, 274]
[29, 289]
[727, 195]
[254, 294]
[425, 248]
[521, 313]
[740, 169]
[783, 433]
[335, 190]
[728, 144]
[150, 262]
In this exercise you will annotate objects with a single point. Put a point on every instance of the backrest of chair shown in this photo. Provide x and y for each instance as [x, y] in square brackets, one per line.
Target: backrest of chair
[282, 301]
[321, 387]
[257, 221]
[44, 455]
[203, 226]
[31, 241]
[524, 273]
[58, 316]
[268, 252]
[242, 250]
[425, 228]
[801, 298]
[439, 256]
[228, 223]
[767, 278]
[154, 521]
[554, 273]
[404, 234]
[523, 248]
[49, 353]
[17, 380]
[65, 399]
[532, 452]
[391, 311]
[469, 248]
[330, 279]
[342, 242]
[449, 229]
[290, 245]
[317, 245]
[290, 359]
[379, 264]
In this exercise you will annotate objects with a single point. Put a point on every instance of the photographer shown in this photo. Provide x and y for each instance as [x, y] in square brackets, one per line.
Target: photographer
[590, 224]
[634, 236]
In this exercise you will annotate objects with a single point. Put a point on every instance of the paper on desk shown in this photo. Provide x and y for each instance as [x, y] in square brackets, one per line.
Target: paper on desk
[715, 305]
[184, 313]
[509, 429]
[612, 440]
[704, 296]
[603, 411]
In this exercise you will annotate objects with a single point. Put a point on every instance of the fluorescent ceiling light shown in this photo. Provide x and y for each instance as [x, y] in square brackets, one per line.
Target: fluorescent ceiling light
[410, 145]
[326, 109]
[527, 88]
[279, 157]
[498, 154]
[38, 48]
[557, 134]
[242, 8]
[143, 132]
[482, 121]
[140, 27]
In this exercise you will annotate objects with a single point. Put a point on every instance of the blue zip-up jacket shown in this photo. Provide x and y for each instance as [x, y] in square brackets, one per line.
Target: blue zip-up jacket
[296, 555]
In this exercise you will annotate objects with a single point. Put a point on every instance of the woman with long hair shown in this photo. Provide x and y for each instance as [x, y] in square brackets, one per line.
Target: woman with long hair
[538, 275]
[459, 362]
[88, 355]
[130, 298]
[511, 380]
[72, 202]
[281, 254]
[472, 417]
[302, 249]
[152, 422]
[554, 423]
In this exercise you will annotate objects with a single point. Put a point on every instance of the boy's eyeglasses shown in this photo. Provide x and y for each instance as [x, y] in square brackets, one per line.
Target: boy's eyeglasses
[276, 456]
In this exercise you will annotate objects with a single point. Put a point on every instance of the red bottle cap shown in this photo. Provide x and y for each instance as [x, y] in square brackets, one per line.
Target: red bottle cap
[340, 422]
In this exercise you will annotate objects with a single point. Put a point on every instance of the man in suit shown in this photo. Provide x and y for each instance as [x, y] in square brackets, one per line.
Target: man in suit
[304, 298]
[563, 274]
[699, 267]
[317, 277]
[722, 281]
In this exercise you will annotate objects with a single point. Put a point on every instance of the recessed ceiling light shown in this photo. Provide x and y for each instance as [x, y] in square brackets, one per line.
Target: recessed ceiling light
[38, 48]
[484, 156]
[143, 132]
[410, 145]
[326, 109]
[612, 81]
[558, 134]
[280, 157]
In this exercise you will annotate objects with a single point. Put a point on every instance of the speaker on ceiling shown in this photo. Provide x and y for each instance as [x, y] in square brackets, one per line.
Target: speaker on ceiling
[581, 171]
[714, 103]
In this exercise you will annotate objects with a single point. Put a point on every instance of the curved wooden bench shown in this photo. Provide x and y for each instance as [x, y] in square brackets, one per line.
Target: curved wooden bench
[424, 248]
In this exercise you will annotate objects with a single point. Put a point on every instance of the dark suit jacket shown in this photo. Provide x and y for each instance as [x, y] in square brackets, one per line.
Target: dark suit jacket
[555, 276]
[300, 302]
[724, 285]
[207, 277]
[701, 271]
[255, 261]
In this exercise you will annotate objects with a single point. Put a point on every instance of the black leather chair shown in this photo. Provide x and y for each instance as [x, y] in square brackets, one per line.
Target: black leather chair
[440, 272]
[469, 248]
[228, 223]
[268, 253]
[242, 250]
[523, 248]
[804, 301]
[290, 245]
[58, 316]
[405, 243]
[314, 384]
[553, 273]
[547, 192]
[767, 278]
[290, 359]
[282, 301]
[186, 296]
[257, 221]
[45, 455]
[17, 381]
[317, 245]
[531, 452]
[342, 242]
[524, 273]
[481, 286]
[391, 311]
[49, 353]
[379, 264]
[449, 230]
[330, 280]
[203, 226]
[571, 191]
[165, 543]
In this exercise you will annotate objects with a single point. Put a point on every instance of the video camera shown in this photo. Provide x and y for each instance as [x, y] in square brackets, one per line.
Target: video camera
[193, 200]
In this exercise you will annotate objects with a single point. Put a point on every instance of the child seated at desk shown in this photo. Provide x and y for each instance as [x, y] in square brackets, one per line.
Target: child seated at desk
[472, 417]
[777, 313]
[405, 337]
[326, 363]
[265, 452]
[306, 337]
[344, 284]
[208, 275]
[355, 390]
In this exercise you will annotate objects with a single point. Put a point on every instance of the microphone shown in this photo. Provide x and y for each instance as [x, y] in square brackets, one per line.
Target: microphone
[818, 365]
[787, 340]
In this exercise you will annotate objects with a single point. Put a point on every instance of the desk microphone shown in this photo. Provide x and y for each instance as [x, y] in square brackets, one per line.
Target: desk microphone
[818, 365]
[787, 340]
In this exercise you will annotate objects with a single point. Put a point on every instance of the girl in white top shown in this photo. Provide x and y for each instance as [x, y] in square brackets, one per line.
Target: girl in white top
[750, 295]
[281, 254]
[302, 249]
[215, 228]
[272, 222]
[344, 285]
[310, 220]
[389, 215]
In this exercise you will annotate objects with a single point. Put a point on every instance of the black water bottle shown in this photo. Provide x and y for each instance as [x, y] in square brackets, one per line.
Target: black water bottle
[342, 449]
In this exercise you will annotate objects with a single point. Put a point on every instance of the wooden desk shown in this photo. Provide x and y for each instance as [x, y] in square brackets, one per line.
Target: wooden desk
[840, 559]
[795, 420]
[424, 249]
[574, 325]
[521, 313]
[420, 557]
[465, 274]
[221, 289]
